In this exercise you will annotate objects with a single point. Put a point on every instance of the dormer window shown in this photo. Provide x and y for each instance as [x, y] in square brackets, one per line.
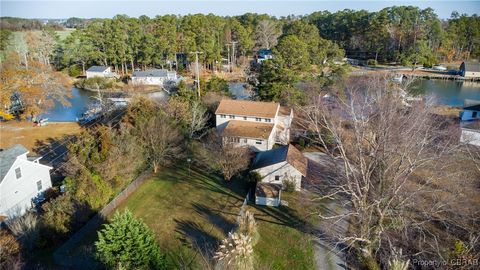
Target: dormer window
[244, 118]
[258, 119]
[223, 116]
[268, 120]
[231, 116]
[18, 173]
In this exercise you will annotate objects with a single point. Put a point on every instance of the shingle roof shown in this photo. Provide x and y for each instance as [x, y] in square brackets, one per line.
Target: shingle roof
[8, 157]
[97, 68]
[473, 108]
[247, 108]
[245, 129]
[152, 73]
[470, 66]
[289, 153]
[267, 190]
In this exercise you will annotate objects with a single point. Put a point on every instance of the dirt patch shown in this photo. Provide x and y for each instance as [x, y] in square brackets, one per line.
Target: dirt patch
[30, 136]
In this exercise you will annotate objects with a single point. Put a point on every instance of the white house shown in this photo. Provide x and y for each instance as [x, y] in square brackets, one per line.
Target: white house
[470, 113]
[285, 163]
[23, 181]
[153, 77]
[255, 124]
[471, 133]
[470, 70]
[268, 194]
[99, 71]
[264, 54]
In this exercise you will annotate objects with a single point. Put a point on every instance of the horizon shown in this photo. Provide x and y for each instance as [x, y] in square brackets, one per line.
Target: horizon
[105, 9]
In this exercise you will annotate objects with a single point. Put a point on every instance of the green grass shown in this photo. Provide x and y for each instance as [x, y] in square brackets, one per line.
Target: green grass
[285, 242]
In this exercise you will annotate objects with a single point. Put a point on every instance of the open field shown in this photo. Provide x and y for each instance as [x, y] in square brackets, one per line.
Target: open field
[32, 137]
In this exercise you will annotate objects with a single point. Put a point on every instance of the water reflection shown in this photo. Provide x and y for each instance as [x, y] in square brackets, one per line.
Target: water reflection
[447, 92]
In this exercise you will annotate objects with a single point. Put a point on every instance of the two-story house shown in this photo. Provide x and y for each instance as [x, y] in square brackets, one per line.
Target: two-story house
[258, 125]
[23, 181]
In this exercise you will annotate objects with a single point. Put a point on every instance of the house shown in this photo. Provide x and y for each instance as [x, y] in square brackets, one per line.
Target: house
[470, 113]
[471, 133]
[153, 77]
[268, 194]
[100, 71]
[470, 70]
[255, 124]
[285, 163]
[263, 54]
[23, 181]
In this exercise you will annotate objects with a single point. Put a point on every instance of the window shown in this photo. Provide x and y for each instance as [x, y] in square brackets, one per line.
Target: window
[277, 177]
[244, 118]
[474, 114]
[258, 142]
[234, 139]
[268, 120]
[223, 116]
[39, 185]
[258, 119]
[245, 140]
[18, 172]
[231, 116]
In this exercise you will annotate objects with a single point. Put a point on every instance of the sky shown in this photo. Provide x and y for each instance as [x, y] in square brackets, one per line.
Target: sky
[151, 8]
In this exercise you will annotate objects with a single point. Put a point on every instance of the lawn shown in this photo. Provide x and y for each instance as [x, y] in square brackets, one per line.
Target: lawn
[188, 209]
[285, 241]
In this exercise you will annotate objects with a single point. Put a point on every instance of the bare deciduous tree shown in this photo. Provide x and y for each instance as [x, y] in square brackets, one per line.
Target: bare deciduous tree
[198, 120]
[26, 230]
[381, 144]
[161, 142]
[266, 34]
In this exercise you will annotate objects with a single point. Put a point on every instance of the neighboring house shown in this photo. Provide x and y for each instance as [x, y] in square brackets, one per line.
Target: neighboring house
[23, 181]
[470, 113]
[470, 70]
[153, 77]
[285, 163]
[268, 194]
[264, 54]
[258, 125]
[471, 133]
[99, 71]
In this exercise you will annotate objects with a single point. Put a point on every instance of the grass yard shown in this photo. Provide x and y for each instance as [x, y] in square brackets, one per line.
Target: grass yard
[188, 210]
[285, 242]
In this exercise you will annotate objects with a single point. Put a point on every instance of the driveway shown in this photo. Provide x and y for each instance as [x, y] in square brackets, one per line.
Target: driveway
[328, 255]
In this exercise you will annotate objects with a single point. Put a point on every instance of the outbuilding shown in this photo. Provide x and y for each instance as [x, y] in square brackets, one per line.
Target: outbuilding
[470, 113]
[281, 164]
[470, 70]
[99, 71]
[268, 194]
[153, 77]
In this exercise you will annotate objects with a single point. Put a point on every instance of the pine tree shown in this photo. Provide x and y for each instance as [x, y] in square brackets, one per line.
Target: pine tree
[128, 243]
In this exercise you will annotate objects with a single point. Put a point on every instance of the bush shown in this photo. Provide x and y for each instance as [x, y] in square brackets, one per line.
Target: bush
[372, 62]
[95, 83]
[301, 142]
[26, 229]
[288, 185]
[74, 71]
[128, 243]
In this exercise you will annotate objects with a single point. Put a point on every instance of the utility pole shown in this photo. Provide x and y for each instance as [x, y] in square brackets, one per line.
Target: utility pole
[233, 53]
[197, 71]
[228, 58]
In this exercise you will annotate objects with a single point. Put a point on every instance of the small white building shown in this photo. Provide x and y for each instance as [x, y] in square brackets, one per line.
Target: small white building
[23, 181]
[153, 77]
[258, 125]
[99, 71]
[285, 163]
[471, 133]
[470, 113]
[470, 70]
[268, 194]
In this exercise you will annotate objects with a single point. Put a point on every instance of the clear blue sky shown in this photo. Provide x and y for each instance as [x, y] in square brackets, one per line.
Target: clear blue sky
[108, 9]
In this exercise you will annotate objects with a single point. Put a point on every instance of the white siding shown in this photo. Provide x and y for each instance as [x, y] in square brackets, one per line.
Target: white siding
[16, 194]
[148, 80]
[470, 137]
[267, 201]
[91, 74]
[284, 171]
[222, 120]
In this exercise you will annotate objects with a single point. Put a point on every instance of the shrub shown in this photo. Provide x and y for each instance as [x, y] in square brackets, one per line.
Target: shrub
[9, 246]
[74, 71]
[26, 229]
[301, 142]
[128, 243]
[372, 62]
[288, 185]
[95, 83]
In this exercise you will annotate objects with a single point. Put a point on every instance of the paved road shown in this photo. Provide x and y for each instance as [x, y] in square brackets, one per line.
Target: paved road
[327, 255]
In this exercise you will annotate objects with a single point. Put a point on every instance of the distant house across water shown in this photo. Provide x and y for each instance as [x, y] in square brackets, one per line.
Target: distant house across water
[99, 71]
[470, 113]
[153, 77]
[470, 70]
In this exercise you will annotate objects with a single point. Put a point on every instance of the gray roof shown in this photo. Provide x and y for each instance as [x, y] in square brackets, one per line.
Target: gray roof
[8, 157]
[152, 73]
[270, 157]
[97, 68]
[472, 108]
[472, 66]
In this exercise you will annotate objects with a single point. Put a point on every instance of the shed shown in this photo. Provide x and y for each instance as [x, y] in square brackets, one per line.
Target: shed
[470, 70]
[99, 71]
[153, 76]
[268, 194]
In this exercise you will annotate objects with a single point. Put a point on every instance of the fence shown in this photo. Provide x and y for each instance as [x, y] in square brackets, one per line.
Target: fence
[62, 256]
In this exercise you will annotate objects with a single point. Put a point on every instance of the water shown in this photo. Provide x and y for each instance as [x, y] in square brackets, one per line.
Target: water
[447, 92]
[79, 102]
[239, 90]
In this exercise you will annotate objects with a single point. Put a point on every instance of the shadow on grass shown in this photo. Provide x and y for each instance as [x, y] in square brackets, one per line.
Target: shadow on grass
[192, 234]
[215, 217]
